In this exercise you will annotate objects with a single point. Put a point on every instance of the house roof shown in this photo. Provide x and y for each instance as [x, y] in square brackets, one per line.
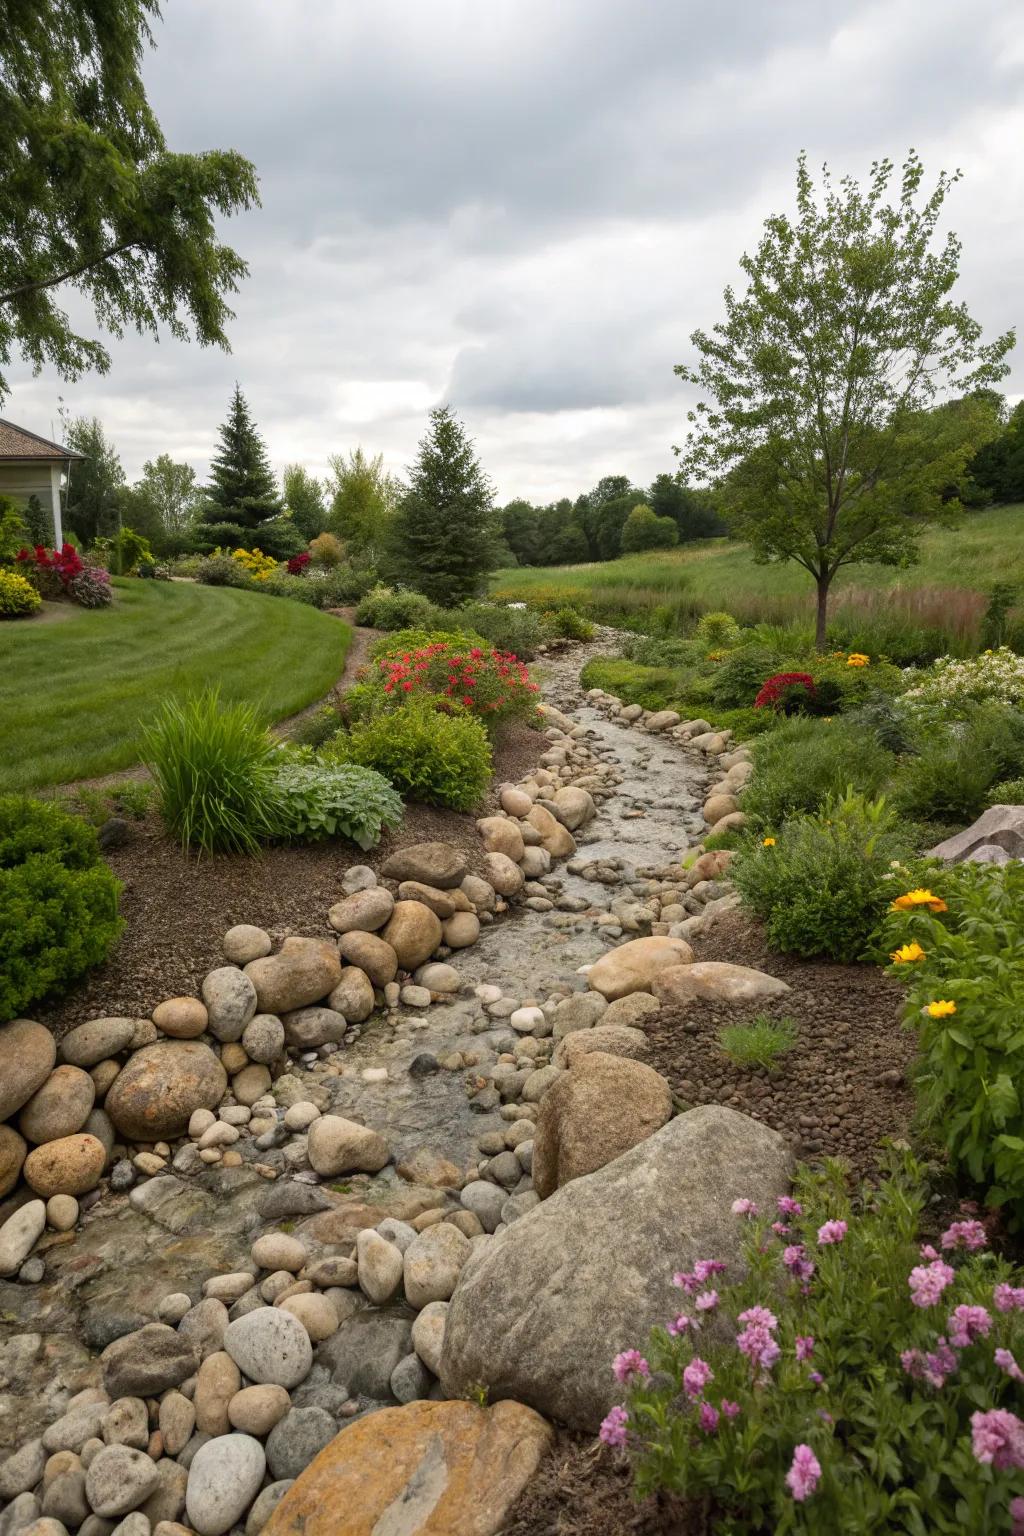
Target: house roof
[16, 443]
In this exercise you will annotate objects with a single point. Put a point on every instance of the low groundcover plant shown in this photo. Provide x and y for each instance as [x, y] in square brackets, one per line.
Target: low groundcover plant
[850, 1381]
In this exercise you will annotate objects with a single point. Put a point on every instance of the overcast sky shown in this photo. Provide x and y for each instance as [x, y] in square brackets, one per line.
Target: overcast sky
[524, 207]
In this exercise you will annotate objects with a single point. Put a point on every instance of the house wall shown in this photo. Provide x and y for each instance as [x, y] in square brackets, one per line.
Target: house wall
[19, 481]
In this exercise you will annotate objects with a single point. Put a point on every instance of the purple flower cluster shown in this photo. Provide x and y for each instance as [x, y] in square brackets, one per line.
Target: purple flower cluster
[696, 1377]
[967, 1324]
[1008, 1298]
[997, 1439]
[831, 1232]
[965, 1234]
[932, 1368]
[757, 1341]
[928, 1281]
[796, 1261]
[631, 1366]
[614, 1426]
[802, 1477]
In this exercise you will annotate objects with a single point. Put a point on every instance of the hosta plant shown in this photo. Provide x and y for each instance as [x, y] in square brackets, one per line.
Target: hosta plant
[334, 800]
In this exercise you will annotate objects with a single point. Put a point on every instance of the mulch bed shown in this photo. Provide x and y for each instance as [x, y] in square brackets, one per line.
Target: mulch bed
[177, 907]
[581, 1489]
[841, 1089]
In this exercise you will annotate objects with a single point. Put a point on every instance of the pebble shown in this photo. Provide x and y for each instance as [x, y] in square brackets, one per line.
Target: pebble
[223, 1479]
[119, 1479]
[278, 1250]
[428, 1334]
[18, 1235]
[255, 1410]
[314, 1311]
[380, 1266]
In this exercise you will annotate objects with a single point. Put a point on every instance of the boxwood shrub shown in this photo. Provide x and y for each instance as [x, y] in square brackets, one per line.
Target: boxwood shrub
[431, 751]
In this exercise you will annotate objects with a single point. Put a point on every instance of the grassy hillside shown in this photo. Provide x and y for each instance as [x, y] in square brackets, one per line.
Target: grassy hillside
[76, 684]
[946, 589]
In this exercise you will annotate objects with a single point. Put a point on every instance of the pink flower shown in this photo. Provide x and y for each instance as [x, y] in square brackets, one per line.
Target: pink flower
[708, 1418]
[804, 1346]
[967, 1324]
[831, 1232]
[1008, 1298]
[928, 1252]
[686, 1281]
[780, 1229]
[965, 1234]
[802, 1477]
[730, 1409]
[1017, 1516]
[630, 1365]
[788, 1206]
[613, 1427]
[703, 1269]
[800, 1268]
[744, 1208]
[696, 1377]
[997, 1439]
[932, 1368]
[679, 1325]
[758, 1345]
[1005, 1361]
[707, 1301]
[759, 1316]
[927, 1283]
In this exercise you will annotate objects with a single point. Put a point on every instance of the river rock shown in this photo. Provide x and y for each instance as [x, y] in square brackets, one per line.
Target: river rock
[127, 1423]
[87, 1044]
[365, 1350]
[27, 1055]
[580, 1011]
[246, 942]
[501, 835]
[302, 972]
[230, 999]
[636, 1010]
[279, 1250]
[263, 1038]
[335, 1145]
[255, 1410]
[558, 840]
[353, 996]
[426, 1167]
[177, 1420]
[480, 892]
[436, 864]
[72, 1165]
[462, 930]
[370, 953]
[574, 807]
[718, 805]
[433, 1263]
[19, 1234]
[380, 1266]
[442, 903]
[593, 1114]
[413, 932]
[268, 1500]
[428, 1334]
[485, 1200]
[216, 1384]
[309, 1028]
[611, 1039]
[715, 981]
[410, 1379]
[157, 1091]
[363, 911]
[270, 1346]
[183, 1018]
[436, 976]
[546, 1305]
[1001, 826]
[505, 876]
[165, 1504]
[22, 1470]
[119, 1479]
[223, 1480]
[297, 1439]
[633, 966]
[148, 1362]
[515, 801]
[13, 1150]
[420, 1470]
[60, 1107]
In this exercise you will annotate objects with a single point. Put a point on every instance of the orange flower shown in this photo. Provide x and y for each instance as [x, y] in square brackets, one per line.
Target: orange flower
[919, 898]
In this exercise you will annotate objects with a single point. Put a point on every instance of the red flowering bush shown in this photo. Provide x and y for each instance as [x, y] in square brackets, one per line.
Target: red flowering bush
[297, 564]
[51, 571]
[493, 685]
[786, 692]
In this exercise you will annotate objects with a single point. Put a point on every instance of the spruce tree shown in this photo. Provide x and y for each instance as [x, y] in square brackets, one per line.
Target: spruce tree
[444, 535]
[243, 488]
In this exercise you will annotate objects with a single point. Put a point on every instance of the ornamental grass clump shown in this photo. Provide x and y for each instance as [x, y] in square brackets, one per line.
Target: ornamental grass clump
[846, 1379]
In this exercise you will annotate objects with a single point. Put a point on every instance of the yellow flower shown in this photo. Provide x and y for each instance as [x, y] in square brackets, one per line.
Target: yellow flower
[919, 898]
[912, 951]
[858, 659]
[940, 1010]
[767, 842]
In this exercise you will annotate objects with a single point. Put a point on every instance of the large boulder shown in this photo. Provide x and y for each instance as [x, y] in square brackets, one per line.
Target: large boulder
[27, 1055]
[302, 972]
[435, 864]
[612, 1039]
[1001, 826]
[716, 981]
[335, 1145]
[309, 1028]
[156, 1093]
[353, 996]
[556, 838]
[414, 932]
[633, 966]
[601, 1108]
[13, 1151]
[542, 1310]
[501, 835]
[426, 1469]
[96, 1041]
[503, 874]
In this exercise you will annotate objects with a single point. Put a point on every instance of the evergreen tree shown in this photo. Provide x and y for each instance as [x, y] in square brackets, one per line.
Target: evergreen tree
[444, 532]
[243, 488]
[95, 486]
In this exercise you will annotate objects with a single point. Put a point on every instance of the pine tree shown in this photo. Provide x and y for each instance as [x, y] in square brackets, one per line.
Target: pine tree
[444, 533]
[243, 488]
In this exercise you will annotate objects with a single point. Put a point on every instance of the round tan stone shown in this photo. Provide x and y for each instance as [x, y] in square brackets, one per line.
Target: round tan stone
[370, 953]
[70, 1166]
[302, 972]
[13, 1151]
[60, 1107]
[716, 981]
[157, 1091]
[461, 930]
[515, 801]
[413, 932]
[245, 942]
[315, 1312]
[218, 1381]
[501, 835]
[353, 996]
[363, 911]
[558, 840]
[104, 1075]
[503, 874]
[717, 806]
[251, 1084]
[27, 1055]
[593, 1114]
[183, 1018]
[633, 966]
[61, 1212]
[255, 1410]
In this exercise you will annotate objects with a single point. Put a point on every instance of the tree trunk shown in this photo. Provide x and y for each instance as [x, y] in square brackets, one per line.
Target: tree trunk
[824, 582]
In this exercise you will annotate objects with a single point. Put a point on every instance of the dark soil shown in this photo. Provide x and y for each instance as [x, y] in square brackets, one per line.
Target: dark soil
[177, 907]
[841, 1089]
[582, 1489]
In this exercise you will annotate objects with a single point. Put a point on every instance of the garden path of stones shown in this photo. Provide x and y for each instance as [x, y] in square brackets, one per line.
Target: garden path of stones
[232, 1229]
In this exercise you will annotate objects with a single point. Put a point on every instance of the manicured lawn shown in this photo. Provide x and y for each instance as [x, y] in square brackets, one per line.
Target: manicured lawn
[75, 687]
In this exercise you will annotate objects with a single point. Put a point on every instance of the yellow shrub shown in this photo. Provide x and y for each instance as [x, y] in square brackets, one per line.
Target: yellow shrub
[18, 597]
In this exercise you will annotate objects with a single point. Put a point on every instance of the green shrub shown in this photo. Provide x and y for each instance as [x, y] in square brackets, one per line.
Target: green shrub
[569, 624]
[299, 588]
[93, 804]
[215, 767]
[1008, 792]
[402, 642]
[18, 597]
[959, 761]
[223, 571]
[760, 1044]
[802, 761]
[132, 798]
[868, 1364]
[321, 799]
[58, 902]
[430, 755]
[385, 608]
[319, 727]
[14, 531]
[341, 585]
[652, 687]
[660, 651]
[738, 679]
[518, 630]
[717, 632]
[820, 884]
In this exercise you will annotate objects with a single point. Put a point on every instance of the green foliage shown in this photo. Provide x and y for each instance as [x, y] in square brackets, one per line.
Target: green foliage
[652, 687]
[959, 761]
[971, 1059]
[717, 632]
[96, 484]
[18, 597]
[318, 727]
[1007, 792]
[58, 902]
[999, 467]
[518, 630]
[38, 522]
[132, 798]
[437, 757]
[643, 529]
[400, 642]
[163, 502]
[803, 761]
[305, 500]
[215, 766]
[243, 489]
[320, 800]
[738, 678]
[340, 585]
[14, 534]
[364, 499]
[820, 887]
[893, 1448]
[762, 1043]
[129, 550]
[93, 804]
[223, 571]
[387, 608]
[824, 374]
[568, 624]
[444, 531]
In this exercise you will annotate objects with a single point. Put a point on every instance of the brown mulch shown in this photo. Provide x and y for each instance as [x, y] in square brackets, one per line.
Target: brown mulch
[177, 907]
[841, 1089]
[581, 1489]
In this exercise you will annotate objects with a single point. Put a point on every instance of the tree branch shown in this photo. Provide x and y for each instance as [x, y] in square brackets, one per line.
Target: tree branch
[65, 277]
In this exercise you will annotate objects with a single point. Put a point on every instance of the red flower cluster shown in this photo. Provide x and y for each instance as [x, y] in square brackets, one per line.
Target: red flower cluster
[64, 563]
[492, 684]
[781, 687]
[297, 564]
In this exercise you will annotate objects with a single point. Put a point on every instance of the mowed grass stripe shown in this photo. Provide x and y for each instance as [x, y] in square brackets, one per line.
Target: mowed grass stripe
[75, 692]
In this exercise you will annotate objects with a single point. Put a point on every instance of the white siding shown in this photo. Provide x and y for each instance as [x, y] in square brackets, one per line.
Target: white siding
[21, 480]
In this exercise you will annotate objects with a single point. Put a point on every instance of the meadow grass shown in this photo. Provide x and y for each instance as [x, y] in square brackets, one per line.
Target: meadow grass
[77, 685]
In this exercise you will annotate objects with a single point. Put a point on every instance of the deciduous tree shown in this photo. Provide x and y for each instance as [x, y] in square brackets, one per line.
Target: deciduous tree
[363, 501]
[96, 484]
[304, 496]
